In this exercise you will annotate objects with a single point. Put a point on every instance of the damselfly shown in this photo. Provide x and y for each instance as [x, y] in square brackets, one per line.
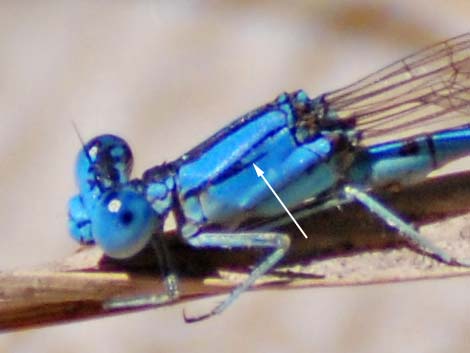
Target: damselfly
[392, 127]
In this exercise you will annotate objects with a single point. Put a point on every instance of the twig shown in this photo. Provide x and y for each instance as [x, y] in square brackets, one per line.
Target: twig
[345, 247]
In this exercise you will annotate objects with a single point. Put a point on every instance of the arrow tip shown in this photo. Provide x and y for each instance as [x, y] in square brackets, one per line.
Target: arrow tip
[258, 170]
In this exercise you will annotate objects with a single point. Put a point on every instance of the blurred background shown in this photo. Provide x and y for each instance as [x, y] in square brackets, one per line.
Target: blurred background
[165, 75]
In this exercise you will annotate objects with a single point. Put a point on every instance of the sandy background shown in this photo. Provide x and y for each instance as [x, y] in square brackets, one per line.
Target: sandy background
[165, 75]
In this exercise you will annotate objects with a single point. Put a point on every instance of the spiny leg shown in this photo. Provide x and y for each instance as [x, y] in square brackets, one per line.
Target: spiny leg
[406, 230]
[278, 241]
[170, 281]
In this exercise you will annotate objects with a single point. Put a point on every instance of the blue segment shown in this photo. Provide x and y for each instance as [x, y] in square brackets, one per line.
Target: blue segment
[224, 199]
[316, 180]
[393, 163]
[221, 157]
[451, 144]
[226, 202]
[407, 162]
[159, 185]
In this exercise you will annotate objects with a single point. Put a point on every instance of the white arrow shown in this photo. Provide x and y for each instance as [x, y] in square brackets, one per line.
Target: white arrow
[260, 173]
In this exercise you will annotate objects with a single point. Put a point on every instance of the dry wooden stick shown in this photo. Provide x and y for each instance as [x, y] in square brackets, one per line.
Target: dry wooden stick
[345, 247]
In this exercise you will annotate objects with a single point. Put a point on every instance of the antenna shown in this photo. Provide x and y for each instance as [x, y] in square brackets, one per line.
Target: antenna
[82, 142]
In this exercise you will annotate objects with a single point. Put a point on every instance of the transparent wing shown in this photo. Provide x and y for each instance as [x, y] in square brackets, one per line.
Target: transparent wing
[424, 92]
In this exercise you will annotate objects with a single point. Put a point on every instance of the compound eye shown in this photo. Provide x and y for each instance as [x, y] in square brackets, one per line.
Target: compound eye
[104, 162]
[122, 223]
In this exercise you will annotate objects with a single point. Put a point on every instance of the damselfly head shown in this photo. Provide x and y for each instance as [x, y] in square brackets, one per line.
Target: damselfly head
[110, 210]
